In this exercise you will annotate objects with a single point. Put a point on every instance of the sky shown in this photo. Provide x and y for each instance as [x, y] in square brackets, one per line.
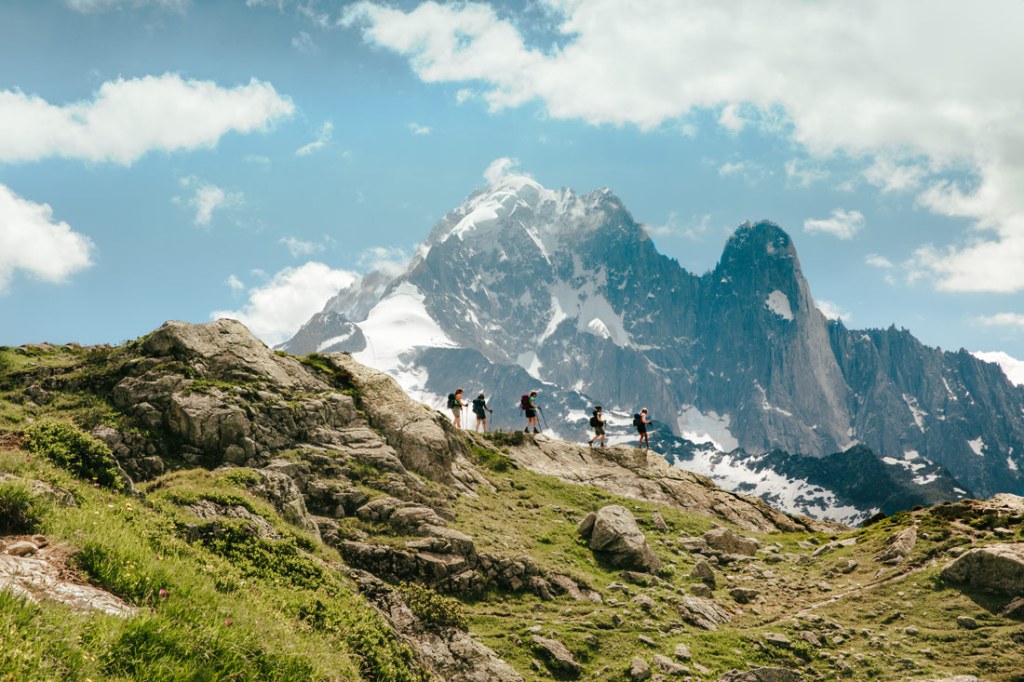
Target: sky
[190, 159]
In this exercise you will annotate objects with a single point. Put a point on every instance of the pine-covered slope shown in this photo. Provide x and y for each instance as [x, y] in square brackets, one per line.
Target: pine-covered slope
[523, 287]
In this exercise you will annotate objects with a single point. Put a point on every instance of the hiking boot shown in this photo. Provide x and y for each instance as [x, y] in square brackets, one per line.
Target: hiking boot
[590, 443]
[526, 430]
[536, 431]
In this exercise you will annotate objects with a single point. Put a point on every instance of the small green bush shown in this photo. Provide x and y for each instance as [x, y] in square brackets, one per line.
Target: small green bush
[506, 437]
[70, 448]
[494, 461]
[19, 511]
[434, 610]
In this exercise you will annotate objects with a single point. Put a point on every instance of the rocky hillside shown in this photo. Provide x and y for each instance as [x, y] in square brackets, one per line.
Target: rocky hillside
[522, 286]
[193, 505]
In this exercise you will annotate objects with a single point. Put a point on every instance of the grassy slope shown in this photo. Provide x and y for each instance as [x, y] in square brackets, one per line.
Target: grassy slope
[243, 610]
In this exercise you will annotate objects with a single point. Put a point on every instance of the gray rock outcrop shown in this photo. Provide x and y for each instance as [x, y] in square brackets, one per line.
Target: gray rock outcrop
[556, 656]
[611, 532]
[999, 568]
[898, 546]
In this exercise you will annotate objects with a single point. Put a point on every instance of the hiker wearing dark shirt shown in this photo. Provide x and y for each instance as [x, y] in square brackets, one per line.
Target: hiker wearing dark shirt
[455, 404]
[597, 422]
[641, 422]
[529, 405]
[480, 409]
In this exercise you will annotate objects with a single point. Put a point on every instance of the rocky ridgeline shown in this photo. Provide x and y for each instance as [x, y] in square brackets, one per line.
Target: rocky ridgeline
[343, 454]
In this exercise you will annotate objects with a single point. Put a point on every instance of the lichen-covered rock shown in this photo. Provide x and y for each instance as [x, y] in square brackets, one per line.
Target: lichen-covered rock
[639, 669]
[702, 571]
[450, 654]
[704, 613]
[422, 437]
[761, 675]
[729, 542]
[39, 577]
[898, 546]
[999, 568]
[556, 656]
[614, 536]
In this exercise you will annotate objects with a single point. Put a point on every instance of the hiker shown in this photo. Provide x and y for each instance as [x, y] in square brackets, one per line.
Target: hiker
[641, 422]
[479, 407]
[597, 422]
[455, 404]
[528, 404]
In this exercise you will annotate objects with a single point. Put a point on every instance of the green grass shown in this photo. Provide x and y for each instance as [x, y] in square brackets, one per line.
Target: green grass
[233, 608]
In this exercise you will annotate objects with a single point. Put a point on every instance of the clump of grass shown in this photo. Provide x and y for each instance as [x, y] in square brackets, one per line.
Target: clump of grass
[506, 437]
[492, 459]
[72, 449]
[19, 510]
[434, 610]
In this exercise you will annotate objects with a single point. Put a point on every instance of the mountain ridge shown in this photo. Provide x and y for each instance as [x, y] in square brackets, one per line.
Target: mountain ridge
[571, 290]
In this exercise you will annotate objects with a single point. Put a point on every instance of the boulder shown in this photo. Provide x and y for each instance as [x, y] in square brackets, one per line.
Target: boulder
[999, 568]
[702, 571]
[639, 669]
[556, 656]
[704, 613]
[898, 546]
[728, 542]
[668, 666]
[761, 675]
[613, 535]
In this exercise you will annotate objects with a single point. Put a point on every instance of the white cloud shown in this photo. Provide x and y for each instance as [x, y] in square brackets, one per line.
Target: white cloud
[501, 169]
[891, 176]
[837, 78]
[30, 241]
[129, 118]
[832, 311]
[877, 261]
[90, 6]
[841, 224]
[235, 283]
[304, 43]
[1002, 320]
[263, 162]
[323, 136]
[391, 260]
[694, 229]
[803, 173]
[1011, 366]
[299, 247]
[463, 95]
[277, 309]
[748, 170]
[417, 129]
[207, 198]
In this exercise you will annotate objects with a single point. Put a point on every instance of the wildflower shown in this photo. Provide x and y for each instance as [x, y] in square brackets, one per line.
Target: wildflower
[227, 621]
[162, 592]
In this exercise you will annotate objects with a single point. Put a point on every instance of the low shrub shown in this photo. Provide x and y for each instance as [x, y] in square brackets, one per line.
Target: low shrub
[19, 510]
[494, 461]
[434, 610]
[70, 448]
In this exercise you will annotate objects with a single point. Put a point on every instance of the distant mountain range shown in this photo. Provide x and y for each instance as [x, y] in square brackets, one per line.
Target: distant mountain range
[525, 287]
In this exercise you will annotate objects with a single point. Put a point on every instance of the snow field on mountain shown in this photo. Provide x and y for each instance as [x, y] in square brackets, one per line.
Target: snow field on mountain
[396, 326]
[793, 495]
[697, 427]
[778, 303]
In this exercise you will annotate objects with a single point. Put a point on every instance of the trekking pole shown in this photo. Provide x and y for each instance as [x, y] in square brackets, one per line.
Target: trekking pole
[543, 418]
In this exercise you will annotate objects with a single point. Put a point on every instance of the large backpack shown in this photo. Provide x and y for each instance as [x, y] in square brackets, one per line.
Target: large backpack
[594, 421]
[638, 421]
[451, 401]
[478, 405]
[524, 402]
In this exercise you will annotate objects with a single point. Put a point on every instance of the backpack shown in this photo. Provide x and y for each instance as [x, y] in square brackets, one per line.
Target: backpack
[451, 401]
[638, 421]
[524, 402]
[594, 421]
[478, 405]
